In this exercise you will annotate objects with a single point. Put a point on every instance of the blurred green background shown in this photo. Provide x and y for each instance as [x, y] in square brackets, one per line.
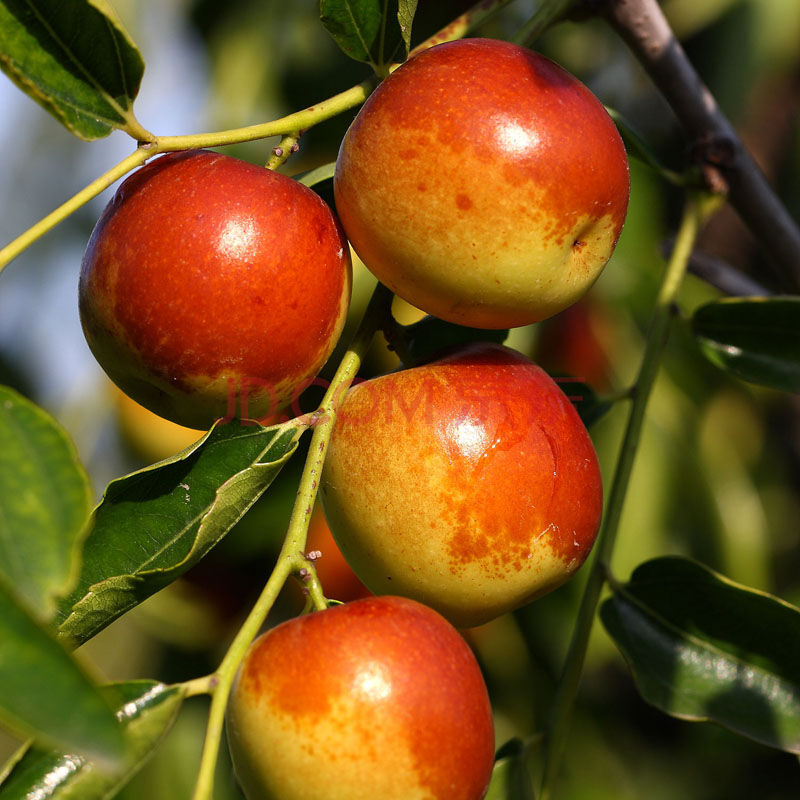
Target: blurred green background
[718, 473]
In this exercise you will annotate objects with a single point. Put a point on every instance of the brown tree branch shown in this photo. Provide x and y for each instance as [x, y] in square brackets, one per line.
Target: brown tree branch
[726, 162]
[719, 273]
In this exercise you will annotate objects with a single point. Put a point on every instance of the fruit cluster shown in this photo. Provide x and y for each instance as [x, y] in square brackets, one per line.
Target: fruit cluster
[485, 185]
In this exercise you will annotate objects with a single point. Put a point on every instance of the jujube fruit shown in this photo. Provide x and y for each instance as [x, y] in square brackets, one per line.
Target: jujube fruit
[469, 484]
[483, 184]
[378, 698]
[212, 288]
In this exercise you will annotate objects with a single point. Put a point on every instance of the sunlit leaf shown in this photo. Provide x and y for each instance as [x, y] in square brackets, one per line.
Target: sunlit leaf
[45, 497]
[406, 9]
[146, 709]
[45, 694]
[75, 59]
[156, 523]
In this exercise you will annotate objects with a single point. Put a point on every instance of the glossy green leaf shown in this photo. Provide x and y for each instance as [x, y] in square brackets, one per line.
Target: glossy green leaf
[146, 709]
[755, 338]
[510, 777]
[704, 648]
[45, 497]
[153, 525]
[364, 33]
[75, 59]
[45, 694]
[426, 339]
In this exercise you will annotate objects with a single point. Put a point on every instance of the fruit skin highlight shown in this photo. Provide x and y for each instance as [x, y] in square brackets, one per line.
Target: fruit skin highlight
[469, 484]
[483, 184]
[213, 288]
[378, 698]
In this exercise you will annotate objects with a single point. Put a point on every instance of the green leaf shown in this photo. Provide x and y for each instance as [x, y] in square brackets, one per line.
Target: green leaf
[156, 523]
[406, 9]
[45, 500]
[45, 694]
[638, 148]
[510, 777]
[354, 25]
[366, 34]
[704, 648]
[317, 175]
[755, 338]
[589, 406]
[76, 60]
[147, 710]
[426, 339]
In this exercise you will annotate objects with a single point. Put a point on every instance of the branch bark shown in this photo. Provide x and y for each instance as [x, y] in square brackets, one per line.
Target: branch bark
[726, 162]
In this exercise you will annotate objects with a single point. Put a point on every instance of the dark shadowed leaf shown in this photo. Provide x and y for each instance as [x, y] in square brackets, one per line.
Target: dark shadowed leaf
[589, 406]
[755, 338]
[156, 523]
[425, 340]
[704, 648]
[638, 148]
[45, 694]
[45, 497]
[75, 59]
[510, 777]
[146, 709]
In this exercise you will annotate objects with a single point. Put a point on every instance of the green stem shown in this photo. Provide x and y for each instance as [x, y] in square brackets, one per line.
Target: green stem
[281, 152]
[196, 686]
[298, 121]
[292, 555]
[695, 213]
[15, 247]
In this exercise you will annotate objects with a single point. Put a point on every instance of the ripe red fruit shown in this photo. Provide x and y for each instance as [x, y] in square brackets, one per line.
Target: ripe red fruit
[469, 484]
[212, 288]
[483, 184]
[378, 698]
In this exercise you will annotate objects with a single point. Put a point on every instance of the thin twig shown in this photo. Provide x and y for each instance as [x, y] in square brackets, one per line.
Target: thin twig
[291, 558]
[694, 215]
[721, 275]
[725, 159]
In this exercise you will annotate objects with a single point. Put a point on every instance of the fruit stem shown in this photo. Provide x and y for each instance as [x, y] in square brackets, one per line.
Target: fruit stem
[292, 555]
[698, 208]
[281, 152]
